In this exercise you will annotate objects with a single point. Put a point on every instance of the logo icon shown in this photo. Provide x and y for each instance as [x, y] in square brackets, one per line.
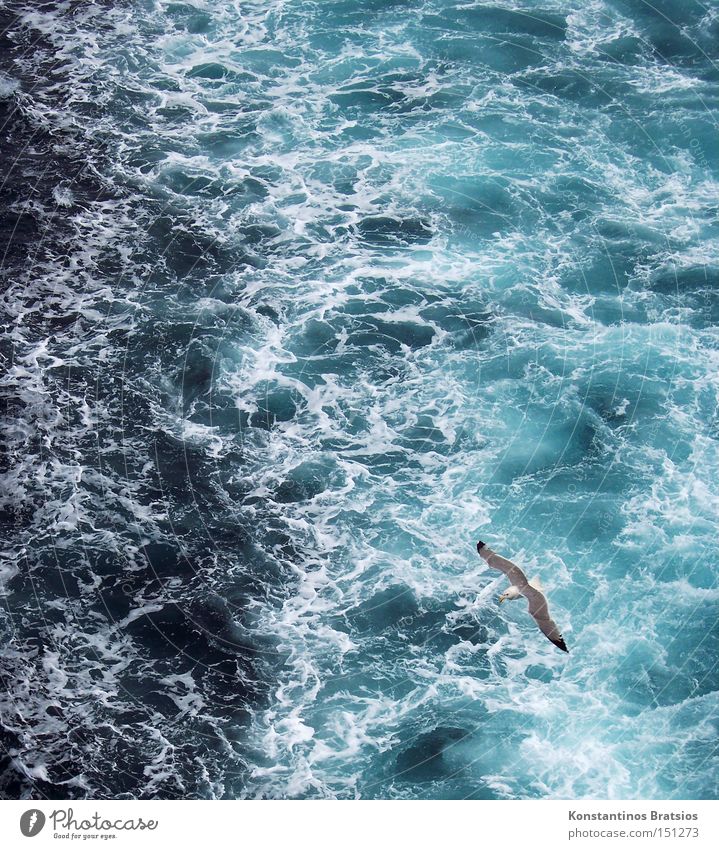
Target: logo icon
[32, 822]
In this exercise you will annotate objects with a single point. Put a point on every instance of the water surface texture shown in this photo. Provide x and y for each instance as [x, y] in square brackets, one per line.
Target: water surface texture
[301, 299]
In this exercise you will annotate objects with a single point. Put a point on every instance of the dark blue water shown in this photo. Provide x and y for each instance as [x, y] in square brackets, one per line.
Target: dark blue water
[300, 300]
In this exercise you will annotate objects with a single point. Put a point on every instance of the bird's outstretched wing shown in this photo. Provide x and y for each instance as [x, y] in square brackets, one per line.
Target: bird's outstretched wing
[539, 609]
[516, 577]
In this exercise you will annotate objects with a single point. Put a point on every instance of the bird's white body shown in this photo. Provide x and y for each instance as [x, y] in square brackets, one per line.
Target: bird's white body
[512, 593]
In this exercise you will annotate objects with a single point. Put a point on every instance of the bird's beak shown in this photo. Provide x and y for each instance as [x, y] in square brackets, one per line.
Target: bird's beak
[501, 599]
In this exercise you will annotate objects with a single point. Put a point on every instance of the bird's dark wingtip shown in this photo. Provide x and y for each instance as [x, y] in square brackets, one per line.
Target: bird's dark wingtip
[480, 545]
[560, 644]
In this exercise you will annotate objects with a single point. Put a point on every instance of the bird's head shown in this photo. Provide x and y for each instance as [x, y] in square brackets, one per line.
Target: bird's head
[509, 595]
[503, 597]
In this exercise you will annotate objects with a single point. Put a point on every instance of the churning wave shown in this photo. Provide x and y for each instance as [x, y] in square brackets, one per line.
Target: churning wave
[299, 300]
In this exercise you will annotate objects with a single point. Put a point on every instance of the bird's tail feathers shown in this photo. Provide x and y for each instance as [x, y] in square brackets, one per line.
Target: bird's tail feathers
[536, 583]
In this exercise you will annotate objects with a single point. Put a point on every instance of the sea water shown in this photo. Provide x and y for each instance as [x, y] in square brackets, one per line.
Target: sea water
[301, 300]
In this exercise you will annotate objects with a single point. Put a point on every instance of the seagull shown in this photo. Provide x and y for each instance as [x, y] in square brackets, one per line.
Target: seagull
[531, 590]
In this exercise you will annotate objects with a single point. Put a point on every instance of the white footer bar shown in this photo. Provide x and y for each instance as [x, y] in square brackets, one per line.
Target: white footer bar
[359, 824]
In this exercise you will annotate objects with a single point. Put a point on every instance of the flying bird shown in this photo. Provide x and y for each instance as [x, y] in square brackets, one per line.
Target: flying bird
[531, 590]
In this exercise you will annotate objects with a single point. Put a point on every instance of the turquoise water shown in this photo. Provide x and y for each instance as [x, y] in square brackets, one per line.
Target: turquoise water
[360, 283]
